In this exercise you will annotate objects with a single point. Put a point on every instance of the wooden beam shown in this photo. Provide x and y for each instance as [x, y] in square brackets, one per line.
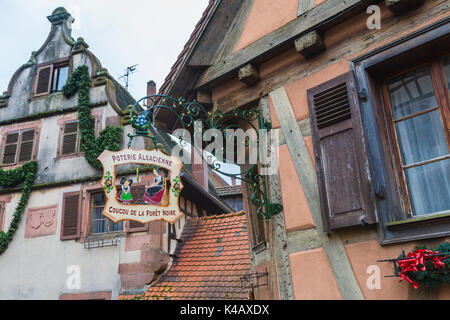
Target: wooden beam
[278, 40]
[310, 44]
[249, 74]
[347, 48]
[305, 6]
[400, 6]
[331, 242]
[277, 235]
[204, 98]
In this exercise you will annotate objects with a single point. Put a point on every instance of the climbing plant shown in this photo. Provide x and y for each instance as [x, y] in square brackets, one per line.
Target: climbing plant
[110, 138]
[11, 178]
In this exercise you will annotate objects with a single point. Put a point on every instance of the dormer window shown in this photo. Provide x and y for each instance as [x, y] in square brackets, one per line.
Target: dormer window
[51, 78]
[60, 75]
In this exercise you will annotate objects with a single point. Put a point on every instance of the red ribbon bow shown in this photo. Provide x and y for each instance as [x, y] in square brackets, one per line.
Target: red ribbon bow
[415, 261]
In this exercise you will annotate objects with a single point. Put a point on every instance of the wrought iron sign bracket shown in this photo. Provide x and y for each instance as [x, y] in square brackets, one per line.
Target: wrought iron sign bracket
[187, 113]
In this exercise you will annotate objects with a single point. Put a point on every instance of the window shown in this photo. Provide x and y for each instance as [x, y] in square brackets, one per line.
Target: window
[99, 223]
[60, 75]
[51, 78]
[70, 141]
[416, 118]
[257, 222]
[404, 100]
[18, 146]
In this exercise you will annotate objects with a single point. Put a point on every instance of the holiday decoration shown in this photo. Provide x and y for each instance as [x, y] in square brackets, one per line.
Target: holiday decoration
[109, 138]
[11, 178]
[423, 266]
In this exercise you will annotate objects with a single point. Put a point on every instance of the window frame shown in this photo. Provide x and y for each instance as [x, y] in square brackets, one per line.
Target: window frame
[56, 68]
[371, 70]
[91, 216]
[20, 129]
[59, 63]
[96, 115]
[439, 87]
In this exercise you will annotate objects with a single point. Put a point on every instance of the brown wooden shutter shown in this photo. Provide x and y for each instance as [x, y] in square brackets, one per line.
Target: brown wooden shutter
[71, 216]
[343, 174]
[133, 226]
[43, 80]
[70, 138]
[26, 145]
[10, 149]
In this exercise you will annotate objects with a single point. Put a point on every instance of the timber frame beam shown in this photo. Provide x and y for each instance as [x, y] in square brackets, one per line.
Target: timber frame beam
[320, 18]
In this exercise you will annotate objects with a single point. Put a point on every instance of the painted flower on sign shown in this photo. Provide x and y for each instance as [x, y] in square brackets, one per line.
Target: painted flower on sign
[177, 186]
[108, 182]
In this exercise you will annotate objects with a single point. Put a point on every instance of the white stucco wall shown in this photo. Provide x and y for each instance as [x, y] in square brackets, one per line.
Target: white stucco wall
[36, 268]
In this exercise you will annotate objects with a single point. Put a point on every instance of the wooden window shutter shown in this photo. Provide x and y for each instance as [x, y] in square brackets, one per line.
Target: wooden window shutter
[26, 145]
[346, 196]
[71, 216]
[70, 138]
[43, 80]
[10, 149]
[134, 226]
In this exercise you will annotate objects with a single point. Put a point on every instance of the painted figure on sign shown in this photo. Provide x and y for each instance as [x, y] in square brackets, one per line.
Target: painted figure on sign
[155, 193]
[124, 195]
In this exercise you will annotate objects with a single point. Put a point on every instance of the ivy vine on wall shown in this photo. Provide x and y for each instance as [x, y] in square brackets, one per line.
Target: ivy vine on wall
[11, 178]
[109, 138]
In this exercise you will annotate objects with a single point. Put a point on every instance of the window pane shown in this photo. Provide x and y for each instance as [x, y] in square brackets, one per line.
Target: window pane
[411, 92]
[98, 220]
[421, 138]
[99, 199]
[99, 226]
[115, 226]
[97, 213]
[446, 63]
[429, 187]
[55, 80]
[62, 79]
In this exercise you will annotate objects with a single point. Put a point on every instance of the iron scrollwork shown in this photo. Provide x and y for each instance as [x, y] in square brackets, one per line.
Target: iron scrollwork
[186, 114]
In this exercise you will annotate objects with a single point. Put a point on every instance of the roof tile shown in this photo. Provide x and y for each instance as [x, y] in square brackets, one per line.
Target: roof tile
[203, 267]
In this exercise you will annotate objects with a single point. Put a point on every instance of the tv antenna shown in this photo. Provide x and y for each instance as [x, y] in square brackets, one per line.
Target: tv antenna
[127, 74]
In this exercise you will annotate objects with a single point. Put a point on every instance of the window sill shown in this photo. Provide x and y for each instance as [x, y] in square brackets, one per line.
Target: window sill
[46, 95]
[70, 156]
[417, 228]
[102, 240]
[104, 236]
[417, 219]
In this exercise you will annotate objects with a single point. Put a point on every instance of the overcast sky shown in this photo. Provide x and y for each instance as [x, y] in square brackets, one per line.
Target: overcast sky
[148, 33]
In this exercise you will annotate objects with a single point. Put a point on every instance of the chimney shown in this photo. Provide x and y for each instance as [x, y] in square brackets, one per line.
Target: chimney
[151, 89]
[233, 181]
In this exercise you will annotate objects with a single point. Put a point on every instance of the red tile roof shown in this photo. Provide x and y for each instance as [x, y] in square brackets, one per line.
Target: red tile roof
[208, 263]
[189, 46]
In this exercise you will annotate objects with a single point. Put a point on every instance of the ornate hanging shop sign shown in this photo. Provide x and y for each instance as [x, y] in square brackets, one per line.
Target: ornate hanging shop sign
[159, 199]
